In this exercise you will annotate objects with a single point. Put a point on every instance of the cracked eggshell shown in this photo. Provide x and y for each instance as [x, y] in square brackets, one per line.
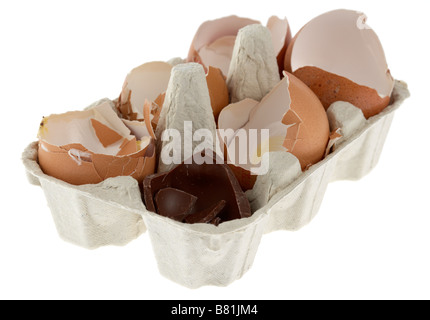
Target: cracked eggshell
[146, 82]
[296, 120]
[214, 41]
[281, 38]
[87, 147]
[341, 59]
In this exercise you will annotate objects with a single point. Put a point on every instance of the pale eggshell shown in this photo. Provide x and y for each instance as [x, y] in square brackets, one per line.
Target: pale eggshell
[341, 59]
[295, 117]
[213, 42]
[145, 82]
[281, 38]
[87, 147]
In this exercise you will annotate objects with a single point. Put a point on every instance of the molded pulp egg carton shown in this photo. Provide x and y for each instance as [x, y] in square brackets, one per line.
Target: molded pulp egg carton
[194, 255]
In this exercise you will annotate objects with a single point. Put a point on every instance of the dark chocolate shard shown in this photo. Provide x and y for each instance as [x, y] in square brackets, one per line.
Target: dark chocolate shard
[174, 203]
[216, 221]
[150, 187]
[206, 215]
[219, 195]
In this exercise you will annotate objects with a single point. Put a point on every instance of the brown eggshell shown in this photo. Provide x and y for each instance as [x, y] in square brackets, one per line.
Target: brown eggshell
[106, 135]
[56, 162]
[128, 147]
[310, 116]
[341, 58]
[59, 163]
[218, 90]
[87, 147]
[297, 120]
[330, 88]
[157, 105]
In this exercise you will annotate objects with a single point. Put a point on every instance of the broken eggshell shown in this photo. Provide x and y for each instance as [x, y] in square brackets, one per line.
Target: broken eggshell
[296, 120]
[213, 42]
[321, 53]
[145, 82]
[87, 147]
[149, 82]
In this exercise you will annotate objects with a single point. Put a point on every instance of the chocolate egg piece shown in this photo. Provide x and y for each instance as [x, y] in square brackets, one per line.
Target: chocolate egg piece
[196, 193]
[341, 59]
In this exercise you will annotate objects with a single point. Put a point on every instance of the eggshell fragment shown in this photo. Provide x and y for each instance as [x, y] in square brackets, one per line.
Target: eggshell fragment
[281, 38]
[147, 81]
[341, 59]
[218, 91]
[330, 88]
[213, 42]
[295, 117]
[87, 147]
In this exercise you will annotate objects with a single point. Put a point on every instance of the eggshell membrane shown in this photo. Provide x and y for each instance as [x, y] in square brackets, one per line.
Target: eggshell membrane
[147, 81]
[330, 88]
[344, 47]
[214, 41]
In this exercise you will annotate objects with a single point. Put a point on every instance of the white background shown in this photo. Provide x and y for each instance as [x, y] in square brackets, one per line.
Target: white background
[370, 239]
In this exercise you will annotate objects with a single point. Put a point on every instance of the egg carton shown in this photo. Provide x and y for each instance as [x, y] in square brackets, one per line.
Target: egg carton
[195, 255]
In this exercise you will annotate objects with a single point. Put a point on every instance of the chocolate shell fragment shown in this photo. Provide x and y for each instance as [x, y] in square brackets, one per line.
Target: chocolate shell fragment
[196, 193]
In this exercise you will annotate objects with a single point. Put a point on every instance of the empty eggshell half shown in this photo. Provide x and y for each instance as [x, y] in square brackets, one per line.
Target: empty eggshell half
[341, 59]
[87, 147]
[296, 120]
[146, 82]
[213, 42]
